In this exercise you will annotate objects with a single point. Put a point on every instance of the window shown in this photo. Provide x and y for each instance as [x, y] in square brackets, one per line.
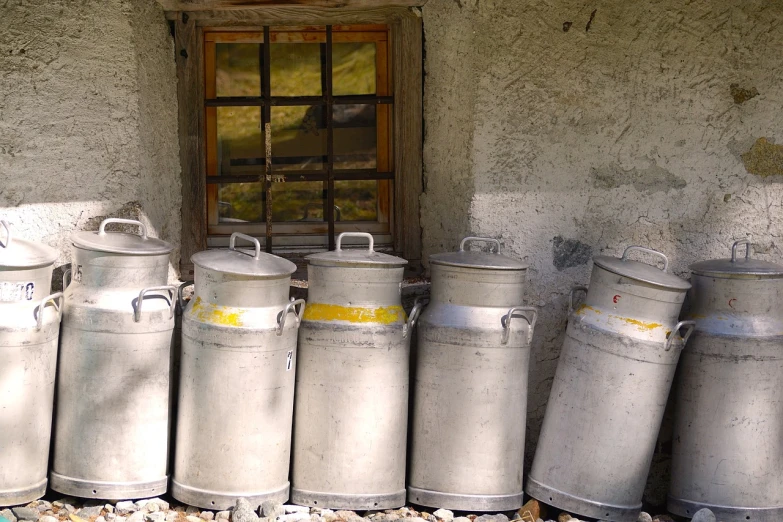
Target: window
[298, 133]
[237, 99]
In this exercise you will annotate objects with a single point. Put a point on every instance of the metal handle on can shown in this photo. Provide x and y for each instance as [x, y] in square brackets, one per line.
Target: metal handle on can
[109, 221]
[290, 306]
[690, 324]
[506, 322]
[418, 306]
[256, 243]
[58, 304]
[180, 301]
[577, 288]
[338, 245]
[473, 238]
[649, 251]
[734, 249]
[7, 228]
[66, 276]
[137, 306]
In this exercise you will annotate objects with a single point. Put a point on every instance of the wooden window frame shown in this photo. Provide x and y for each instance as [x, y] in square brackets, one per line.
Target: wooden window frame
[191, 18]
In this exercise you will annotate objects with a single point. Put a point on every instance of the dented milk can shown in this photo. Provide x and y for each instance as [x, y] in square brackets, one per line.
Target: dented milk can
[351, 411]
[610, 390]
[237, 374]
[29, 328]
[728, 428]
[112, 422]
[470, 388]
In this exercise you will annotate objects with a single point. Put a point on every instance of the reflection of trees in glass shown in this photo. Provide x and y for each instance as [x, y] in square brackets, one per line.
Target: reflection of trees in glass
[294, 73]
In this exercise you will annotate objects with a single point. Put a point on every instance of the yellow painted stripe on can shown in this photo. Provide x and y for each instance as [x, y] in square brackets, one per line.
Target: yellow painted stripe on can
[354, 314]
[643, 325]
[583, 309]
[210, 313]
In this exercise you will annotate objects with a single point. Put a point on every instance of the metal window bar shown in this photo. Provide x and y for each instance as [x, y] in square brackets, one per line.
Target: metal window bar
[265, 103]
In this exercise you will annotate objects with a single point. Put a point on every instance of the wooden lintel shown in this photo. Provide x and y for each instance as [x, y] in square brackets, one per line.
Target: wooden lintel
[295, 15]
[209, 5]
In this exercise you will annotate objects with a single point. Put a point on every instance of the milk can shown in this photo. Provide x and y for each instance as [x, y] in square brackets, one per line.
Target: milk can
[728, 429]
[351, 411]
[29, 327]
[610, 390]
[112, 421]
[237, 374]
[470, 387]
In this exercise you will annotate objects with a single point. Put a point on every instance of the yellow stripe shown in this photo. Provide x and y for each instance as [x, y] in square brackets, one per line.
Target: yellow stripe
[354, 314]
[210, 313]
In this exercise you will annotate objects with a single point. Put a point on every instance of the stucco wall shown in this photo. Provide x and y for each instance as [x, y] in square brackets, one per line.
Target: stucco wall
[654, 125]
[88, 118]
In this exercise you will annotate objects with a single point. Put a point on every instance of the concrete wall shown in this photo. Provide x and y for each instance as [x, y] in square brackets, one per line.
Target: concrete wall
[569, 129]
[88, 118]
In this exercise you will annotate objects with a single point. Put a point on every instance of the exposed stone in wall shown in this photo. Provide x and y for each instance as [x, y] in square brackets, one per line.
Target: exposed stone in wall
[764, 158]
[568, 253]
[88, 118]
[741, 94]
[624, 134]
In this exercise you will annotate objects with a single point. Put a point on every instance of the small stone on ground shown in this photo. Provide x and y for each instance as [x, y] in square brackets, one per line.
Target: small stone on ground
[703, 515]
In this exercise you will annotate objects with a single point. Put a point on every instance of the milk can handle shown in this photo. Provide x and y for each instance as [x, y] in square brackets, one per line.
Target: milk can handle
[256, 243]
[66, 277]
[574, 290]
[649, 251]
[418, 306]
[180, 300]
[290, 306]
[7, 228]
[506, 322]
[689, 324]
[485, 239]
[366, 235]
[58, 304]
[734, 249]
[170, 288]
[102, 228]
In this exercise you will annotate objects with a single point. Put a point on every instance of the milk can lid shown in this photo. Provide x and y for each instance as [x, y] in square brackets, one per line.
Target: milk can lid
[739, 266]
[642, 271]
[244, 262]
[482, 260]
[121, 242]
[356, 257]
[18, 253]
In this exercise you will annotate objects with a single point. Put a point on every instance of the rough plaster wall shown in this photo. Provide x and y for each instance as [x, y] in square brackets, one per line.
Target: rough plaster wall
[88, 118]
[660, 124]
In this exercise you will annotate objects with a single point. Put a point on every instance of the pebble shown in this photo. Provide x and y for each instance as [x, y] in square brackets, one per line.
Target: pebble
[223, 515]
[192, 510]
[136, 516]
[120, 519]
[109, 508]
[272, 509]
[563, 517]
[291, 517]
[99, 519]
[111, 517]
[25, 513]
[171, 516]
[192, 518]
[644, 517]
[124, 508]
[89, 512]
[492, 518]
[662, 518]
[8, 515]
[207, 515]
[47, 518]
[703, 515]
[461, 519]
[243, 512]
[291, 508]
[155, 516]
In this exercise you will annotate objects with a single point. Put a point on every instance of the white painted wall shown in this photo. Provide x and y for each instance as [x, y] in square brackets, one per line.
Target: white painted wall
[88, 118]
[568, 144]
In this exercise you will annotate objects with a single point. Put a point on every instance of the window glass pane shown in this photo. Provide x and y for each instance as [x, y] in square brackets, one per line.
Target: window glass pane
[353, 68]
[241, 203]
[237, 69]
[355, 137]
[295, 69]
[298, 201]
[240, 140]
[298, 138]
[356, 200]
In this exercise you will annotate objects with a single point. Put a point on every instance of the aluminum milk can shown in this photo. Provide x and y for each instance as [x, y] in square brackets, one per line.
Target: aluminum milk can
[350, 426]
[112, 422]
[610, 390]
[728, 428]
[237, 375]
[29, 327]
[471, 363]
